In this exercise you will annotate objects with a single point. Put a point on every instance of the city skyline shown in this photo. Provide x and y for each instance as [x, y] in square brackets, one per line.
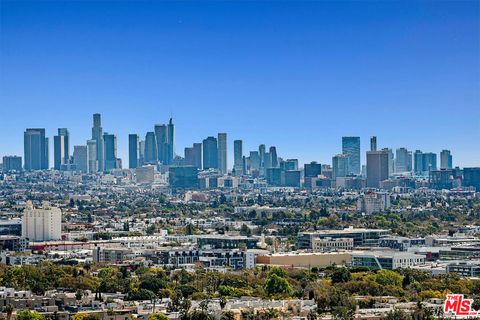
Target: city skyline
[287, 79]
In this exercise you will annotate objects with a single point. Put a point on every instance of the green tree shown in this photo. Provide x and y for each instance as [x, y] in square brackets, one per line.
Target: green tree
[397, 314]
[29, 315]
[388, 277]
[276, 284]
[340, 275]
[157, 316]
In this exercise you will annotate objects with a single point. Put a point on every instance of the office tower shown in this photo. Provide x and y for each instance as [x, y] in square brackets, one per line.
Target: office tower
[12, 163]
[274, 176]
[373, 143]
[210, 153]
[193, 156]
[80, 158]
[418, 162]
[92, 156]
[273, 154]
[97, 135]
[141, 160]
[185, 177]
[311, 170]
[289, 164]
[41, 224]
[170, 142]
[238, 157]
[61, 154]
[161, 143]
[430, 161]
[254, 161]
[471, 178]
[403, 161]
[222, 152]
[441, 179]
[110, 153]
[291, 178]
[267, 160]
[35, 147]
[133, 150]
[391, 161]
[446, 160]
[377, 168]
[151, 153]
[340, 165]
[351, 148]
[261, 153]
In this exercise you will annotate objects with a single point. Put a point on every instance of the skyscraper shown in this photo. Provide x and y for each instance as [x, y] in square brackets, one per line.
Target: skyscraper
[133, 150]
[61, 148]
[97, 135]
[377, 168]
[238, 157]
[170, 142]
[403, 160]
[222, 152]
[351, 148]
[446, 160]
[193, 156]
[424, 162]
[35, 147]
[151, 154]
[110, 143]
[273, 154]
[391, 161]
[161, 142]
[210, 153]
[80, 158]
[373, 143]
[92, 156]
[340, 165]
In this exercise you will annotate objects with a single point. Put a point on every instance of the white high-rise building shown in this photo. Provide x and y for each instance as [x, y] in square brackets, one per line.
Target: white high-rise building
[92, 156]
[42, 224]
[222, 152]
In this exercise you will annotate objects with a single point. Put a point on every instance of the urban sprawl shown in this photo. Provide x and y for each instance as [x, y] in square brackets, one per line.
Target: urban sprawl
[189, 238]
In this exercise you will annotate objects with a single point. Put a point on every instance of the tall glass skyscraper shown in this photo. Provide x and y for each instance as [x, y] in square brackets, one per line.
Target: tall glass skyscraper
[110, 143]
[97, 135]
[210, 153]
[133, 150]
[35, 147]
[446, 160]
[351, 148]
[238, 157]
[61, 146]
[222, 152]
[340, 165]
[151, 154]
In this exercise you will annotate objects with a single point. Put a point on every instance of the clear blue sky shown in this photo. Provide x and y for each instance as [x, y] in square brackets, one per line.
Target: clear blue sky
[291, 74]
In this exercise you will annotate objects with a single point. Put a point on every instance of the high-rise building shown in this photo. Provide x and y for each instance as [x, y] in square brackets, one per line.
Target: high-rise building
[42, 224]
[424, 162]
[238, 157]
[92, 156]
[110, 153]
[471, 178]
[161, 143]
[274, 176]
[133, 150]
[193, 156]
[141, 160]
[291, 178]
[35, 148]
[12, 163]
[340, 165]
[151, 154]
[446, 160]
[97, 135]
[210, 153]
[391, 161]
[185, 177]
[222, 152]
[311, 170]
[170, 142]
[61, 152]
[289, 164]
[261, 153]
[373, 143]
[254, 161]
[351, 148]
[273, 155]
[403, 160]
[80, 158]
[377, 168]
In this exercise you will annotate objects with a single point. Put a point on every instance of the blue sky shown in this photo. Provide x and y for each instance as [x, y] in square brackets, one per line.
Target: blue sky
[297, 75]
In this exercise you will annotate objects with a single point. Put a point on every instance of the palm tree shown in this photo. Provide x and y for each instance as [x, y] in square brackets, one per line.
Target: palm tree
[9, 310]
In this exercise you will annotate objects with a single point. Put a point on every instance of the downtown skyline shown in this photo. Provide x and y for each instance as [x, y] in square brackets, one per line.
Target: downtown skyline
[269, 74]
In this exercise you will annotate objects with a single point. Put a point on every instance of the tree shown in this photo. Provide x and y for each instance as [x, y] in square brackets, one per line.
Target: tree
[397, 314]
[29, 315]
[276, 284]
[85, 316]
[9, 311]
[157, 316]
[388, 277]
[227, 315]
[340, 275]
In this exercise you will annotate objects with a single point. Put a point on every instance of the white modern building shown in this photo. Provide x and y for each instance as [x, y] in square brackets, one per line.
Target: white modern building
[42, 224]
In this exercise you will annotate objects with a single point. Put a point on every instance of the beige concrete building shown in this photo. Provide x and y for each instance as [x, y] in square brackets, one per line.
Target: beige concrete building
[306, 260]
